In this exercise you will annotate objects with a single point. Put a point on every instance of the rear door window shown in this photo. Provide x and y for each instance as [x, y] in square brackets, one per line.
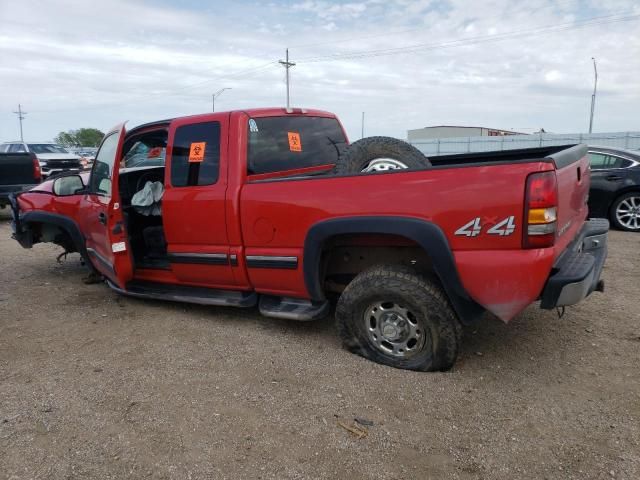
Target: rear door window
[195, 158]
[601, 161]
[285, 143]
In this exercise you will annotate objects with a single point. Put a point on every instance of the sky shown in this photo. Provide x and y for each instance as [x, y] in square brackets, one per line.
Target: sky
[521, 65]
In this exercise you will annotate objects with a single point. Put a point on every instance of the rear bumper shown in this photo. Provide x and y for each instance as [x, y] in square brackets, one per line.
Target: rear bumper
[576, 273]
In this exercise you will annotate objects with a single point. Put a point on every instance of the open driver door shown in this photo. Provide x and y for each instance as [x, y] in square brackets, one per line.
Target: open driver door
[104, 227]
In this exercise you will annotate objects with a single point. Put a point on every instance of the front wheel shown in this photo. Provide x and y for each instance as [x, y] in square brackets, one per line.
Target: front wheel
[625, 212]
[393, 316]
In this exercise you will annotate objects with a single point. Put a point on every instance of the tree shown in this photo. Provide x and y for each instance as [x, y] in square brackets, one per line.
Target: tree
[82, 137]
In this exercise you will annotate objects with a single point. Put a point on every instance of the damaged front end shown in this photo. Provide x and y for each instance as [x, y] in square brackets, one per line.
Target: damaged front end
[24, 236]
[34, 226]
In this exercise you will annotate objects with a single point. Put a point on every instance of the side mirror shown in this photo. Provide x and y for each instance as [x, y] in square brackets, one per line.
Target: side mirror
[69, 185]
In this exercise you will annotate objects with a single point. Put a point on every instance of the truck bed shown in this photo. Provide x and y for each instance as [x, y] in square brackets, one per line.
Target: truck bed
[501, 156]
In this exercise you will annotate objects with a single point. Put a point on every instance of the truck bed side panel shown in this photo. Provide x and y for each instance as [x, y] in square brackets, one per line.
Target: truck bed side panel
[276, 215]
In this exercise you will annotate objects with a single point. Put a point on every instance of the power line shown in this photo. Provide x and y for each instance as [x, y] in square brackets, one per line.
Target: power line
[555, 4]
[168, 93]
[594, 21]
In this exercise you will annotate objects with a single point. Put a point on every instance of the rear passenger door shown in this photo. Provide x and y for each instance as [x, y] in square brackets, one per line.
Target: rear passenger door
[193, 205]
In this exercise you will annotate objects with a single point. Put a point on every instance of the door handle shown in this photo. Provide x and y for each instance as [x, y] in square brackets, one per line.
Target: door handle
[102, 218]
[614, 178]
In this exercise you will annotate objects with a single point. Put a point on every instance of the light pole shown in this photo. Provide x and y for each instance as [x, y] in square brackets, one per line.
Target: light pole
[216, 95]
[287, 65]
[21, 116]
[593, 97]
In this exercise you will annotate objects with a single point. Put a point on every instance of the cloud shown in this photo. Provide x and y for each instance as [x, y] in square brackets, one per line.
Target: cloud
[331, 10]
[72, 64]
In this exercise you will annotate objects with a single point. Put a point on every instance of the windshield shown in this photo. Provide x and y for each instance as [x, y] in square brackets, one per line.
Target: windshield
[46, 148]
[285, 143]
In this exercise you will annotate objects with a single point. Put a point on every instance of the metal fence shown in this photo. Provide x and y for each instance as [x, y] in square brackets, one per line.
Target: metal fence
[447, 146]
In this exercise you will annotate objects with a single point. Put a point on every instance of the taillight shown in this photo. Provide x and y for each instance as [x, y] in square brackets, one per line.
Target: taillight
[540, 210]
[37, 173]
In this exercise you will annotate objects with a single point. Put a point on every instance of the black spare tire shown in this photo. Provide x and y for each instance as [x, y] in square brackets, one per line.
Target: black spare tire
[379, 154]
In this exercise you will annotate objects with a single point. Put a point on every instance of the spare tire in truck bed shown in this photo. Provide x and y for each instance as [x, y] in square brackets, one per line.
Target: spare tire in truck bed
[379, 154]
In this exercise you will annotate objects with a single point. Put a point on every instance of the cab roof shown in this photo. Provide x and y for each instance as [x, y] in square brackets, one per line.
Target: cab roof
[251, 112]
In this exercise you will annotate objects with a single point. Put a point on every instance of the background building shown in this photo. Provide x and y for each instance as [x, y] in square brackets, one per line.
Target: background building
[448, 131]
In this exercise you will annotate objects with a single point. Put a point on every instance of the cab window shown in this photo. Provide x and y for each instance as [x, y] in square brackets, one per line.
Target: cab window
[17, 148]
[195, 157]
[285, 143]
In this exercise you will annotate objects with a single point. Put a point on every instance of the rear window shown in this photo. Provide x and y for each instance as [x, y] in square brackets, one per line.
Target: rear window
[286, 143]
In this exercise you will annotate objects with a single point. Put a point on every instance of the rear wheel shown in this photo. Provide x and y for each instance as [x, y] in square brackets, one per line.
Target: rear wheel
[625, 212]
[380, 154]
[393, 316]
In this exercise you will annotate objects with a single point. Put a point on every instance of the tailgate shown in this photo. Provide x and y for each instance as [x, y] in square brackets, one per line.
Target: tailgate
[17, 169]
[573, 175]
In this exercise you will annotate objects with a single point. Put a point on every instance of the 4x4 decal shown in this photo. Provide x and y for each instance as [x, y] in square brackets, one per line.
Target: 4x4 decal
[474, 228]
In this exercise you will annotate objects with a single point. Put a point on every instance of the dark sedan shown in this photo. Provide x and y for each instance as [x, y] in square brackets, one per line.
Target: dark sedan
[615, 186]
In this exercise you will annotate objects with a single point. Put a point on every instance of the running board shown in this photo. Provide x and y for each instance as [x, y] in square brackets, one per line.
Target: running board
[199, 295]
[293, 308]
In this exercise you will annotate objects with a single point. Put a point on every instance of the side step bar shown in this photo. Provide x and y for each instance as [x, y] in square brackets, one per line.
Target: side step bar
[199, 295]
[293, 308]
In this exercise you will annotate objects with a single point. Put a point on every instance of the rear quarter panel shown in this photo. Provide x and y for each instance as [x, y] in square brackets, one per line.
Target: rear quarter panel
[276, 215]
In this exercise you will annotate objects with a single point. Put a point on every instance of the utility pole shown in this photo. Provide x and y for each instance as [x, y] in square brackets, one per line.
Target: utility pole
[216, 95]
[593, 97]
[362, 130]
[21, 116]
[287, 65]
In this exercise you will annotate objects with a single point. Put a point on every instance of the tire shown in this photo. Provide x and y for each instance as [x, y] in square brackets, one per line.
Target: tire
[427, 335]
[625, 212]
[358, 156]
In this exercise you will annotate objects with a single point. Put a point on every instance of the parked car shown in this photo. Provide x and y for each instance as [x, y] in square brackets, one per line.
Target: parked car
[255, 212]
[18, 172]
[53, 158]
[615, 186]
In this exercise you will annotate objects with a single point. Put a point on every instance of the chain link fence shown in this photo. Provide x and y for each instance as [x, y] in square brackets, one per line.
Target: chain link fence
[448, 146]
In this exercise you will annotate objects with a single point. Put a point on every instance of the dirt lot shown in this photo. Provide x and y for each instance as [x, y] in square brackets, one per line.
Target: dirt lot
[94, 385]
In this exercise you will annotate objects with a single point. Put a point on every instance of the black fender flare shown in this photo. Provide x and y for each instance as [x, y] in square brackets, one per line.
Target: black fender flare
[65, 223]
[426, 234]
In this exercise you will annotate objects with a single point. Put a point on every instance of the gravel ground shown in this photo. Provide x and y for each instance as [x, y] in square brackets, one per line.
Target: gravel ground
[94, 385]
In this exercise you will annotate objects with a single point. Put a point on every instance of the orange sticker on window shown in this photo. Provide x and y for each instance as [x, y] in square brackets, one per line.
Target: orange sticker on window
[295, 145]
[196, 152]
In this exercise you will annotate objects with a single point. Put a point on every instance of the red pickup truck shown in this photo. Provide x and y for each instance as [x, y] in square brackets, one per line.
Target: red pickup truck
[246, 208]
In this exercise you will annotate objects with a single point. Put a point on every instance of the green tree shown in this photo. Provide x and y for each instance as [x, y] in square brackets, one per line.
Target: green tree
[82, 137]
